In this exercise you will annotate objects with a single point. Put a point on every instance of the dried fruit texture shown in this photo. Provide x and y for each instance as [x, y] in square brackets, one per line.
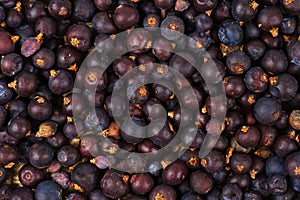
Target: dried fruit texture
[60, 130]
[47, 129]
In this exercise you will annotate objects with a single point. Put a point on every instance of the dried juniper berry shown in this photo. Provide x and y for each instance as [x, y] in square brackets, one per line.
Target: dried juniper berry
[255, 49]
[30, 176]
[47, 190]
[60, 9]
[230, 33]
[125, 16]
[231, 191]
[256, 80]
[269, 17]
[248, 136]
[11, 64]
[103, 23]
[163, 192]
[40, 155]
[7, 44]
[201, 182]
[284, 87]
[277, 184]
[45, 25]
[22, 193]
[114, 184]
[85, 175]
[79, 36]
[203, 5]
[60, 81]
[8, 153]
[67, 155]
[18, 127]
[274, 62]
[284, 146]
[141, 183]
[214, 161]
[175, 173]
[238, 62]
[244, 10]
[240, 162]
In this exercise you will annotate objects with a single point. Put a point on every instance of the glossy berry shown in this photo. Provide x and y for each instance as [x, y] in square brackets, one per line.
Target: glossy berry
[79, 36]
[60, 81]
[240, 162]
[284, 87]
[67, 56]
[8, 153]
[67, 155]
[238, 62]
[40, 155]
[47, 190]
[230, 33]
[292, 7]
[11, 64]
[83, 10]
[31, 45]
[163, 192]
[40, 108]
[274, 62]
[85, 175]
[6, 43]
[231, 191]
[274, 164]
[293, 52]
[267, 111]
[201, 182]
[248, 136]
[214, 161]
[46, 25]
[284, 146]
[22, 193]
[292, 164]
[18, 127]
[141, 183]
[164, 4]
[244, 10]
[175, 173]
[269, 17]
[256, 80]
[234, 86]
[288, 25]
[125, 17]
[204, 5]
[35, 11]
[114, 184]
[162, 49]
[256, 49]
[277, 184]
[103, 23]
[30, 176]
[60, 8]
[104, 5]
[2, 14]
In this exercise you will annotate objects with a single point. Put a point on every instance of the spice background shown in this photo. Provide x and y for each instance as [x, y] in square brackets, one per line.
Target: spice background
[93, 91]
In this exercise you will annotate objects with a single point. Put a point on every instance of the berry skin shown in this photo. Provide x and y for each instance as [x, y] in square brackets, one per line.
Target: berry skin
[267, 111]
[230, 33]
[48, 190]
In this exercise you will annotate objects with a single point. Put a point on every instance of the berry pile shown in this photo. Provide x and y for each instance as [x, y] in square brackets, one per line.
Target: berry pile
[45, 155]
